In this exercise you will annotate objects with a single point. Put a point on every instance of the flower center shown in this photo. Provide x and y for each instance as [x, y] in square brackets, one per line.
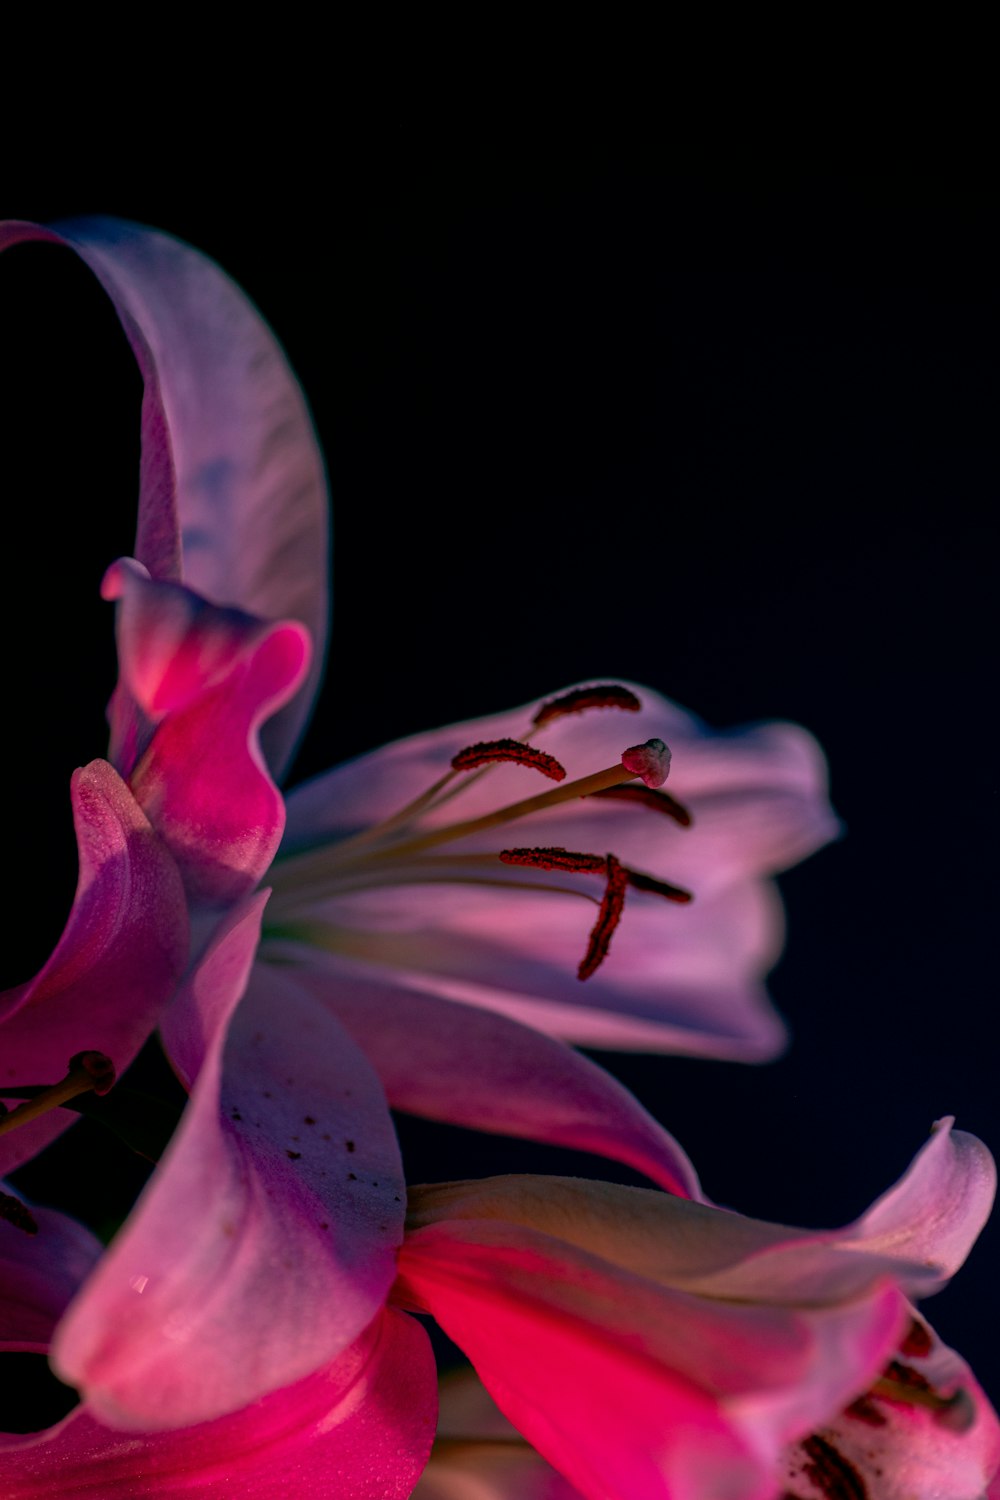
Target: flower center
[413, 846]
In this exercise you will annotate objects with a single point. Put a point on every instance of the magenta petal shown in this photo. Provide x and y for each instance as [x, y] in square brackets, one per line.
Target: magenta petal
[122, 951]
[39, 1274]
[472, 1067]
[358, 1429]
[232, 488]
[631, 1388]
[266, 1240]
[206, 678]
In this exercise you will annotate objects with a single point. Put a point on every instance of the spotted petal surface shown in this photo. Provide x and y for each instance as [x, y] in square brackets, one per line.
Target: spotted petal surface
[265, 1242]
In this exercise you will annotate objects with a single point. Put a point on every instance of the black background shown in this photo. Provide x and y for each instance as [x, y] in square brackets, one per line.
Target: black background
[720, 422]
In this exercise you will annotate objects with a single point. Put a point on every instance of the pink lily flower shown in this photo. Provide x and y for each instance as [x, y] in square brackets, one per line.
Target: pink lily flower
[681, 1350]
[180, 1323]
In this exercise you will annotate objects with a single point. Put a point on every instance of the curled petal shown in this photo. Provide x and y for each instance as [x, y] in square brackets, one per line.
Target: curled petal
[265, 1241]
[206, 678]
[119, 957]
[472, 1067]
[232, 493]
[935, 1212]
[359, 1427]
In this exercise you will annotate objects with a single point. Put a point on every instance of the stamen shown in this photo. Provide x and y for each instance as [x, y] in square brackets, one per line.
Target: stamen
[649, 761]
[900, 1382]
[648, 796]
[13, 1211]
[555, 859]
[523, 755]
[88, 1072]
[607, 695]
[659, 887]
[607, 919]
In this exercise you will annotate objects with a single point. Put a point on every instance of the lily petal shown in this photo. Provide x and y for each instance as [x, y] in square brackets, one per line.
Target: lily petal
[122, 951]
[678, 979]
[206, 678]
[361, 1426]
[265, 1241]
[39, 1274]
[468, 1066]
[233, 495]
[935, 1212]
[633, 1389]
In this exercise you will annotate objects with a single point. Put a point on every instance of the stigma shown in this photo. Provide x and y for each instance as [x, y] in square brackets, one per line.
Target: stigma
[423, 843]
[87, 1072]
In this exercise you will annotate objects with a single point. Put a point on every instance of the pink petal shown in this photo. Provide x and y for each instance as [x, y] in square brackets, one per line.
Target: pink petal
[630, 1388]
[688, 1246]
[232, 488]
[897, 1449]
[360, 1427]
[122, 951]
[935, 1212]
[265, 1241]
[206, 678]
[39, 1274]
[475, 1068]
[678, 978]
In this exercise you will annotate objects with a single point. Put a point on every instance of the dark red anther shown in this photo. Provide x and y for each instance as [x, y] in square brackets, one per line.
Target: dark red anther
[556, 859]
[13, 1211]
[607, 919]
[906, 1376]
[489, 751]
[864, 1410]
[658, 887]
[917, 1343]
[649, 796]
[606, 695]
[99, 1068]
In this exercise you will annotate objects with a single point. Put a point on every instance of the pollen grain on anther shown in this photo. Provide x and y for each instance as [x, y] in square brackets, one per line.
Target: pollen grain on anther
[663, 888]
[607, 919]
[649, 796]
[556, 859]
[578, 700]
[488, 751]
